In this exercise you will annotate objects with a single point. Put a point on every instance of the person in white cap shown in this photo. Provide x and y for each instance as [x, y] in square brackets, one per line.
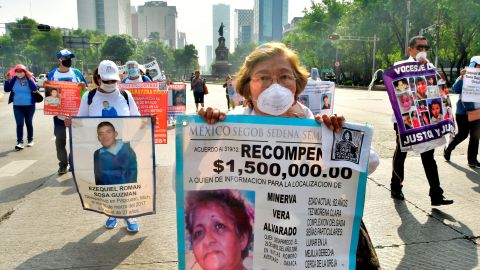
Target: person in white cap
[64, 72]
[134, 73]
[92, 104]
[464, 126]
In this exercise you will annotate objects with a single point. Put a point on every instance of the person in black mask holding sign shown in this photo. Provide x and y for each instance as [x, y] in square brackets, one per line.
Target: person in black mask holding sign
[64, 72]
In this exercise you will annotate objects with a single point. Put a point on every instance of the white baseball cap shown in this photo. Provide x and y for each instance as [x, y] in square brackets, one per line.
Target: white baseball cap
[108, 71]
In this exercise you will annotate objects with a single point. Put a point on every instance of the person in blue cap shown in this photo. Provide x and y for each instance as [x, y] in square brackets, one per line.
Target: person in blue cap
[465, 127]
[64, 72]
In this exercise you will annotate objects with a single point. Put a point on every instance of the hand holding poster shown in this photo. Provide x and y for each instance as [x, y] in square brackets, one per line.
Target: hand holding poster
[422, 107]
[62, 97]
[471, 85]
[256, 184]
[318, 96]
[114, 164]
[151, 101]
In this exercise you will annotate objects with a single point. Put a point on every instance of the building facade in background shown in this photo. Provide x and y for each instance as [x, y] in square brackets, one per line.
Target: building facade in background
[220, 13]
[109, 16]
[158, 17]
[269, 17]
[243, 21]
[181, 40]
[292, 26]
[134, 15]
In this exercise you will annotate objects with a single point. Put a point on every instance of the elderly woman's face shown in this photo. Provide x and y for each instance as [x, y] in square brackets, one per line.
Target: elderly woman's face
[216, 244]
[274, 70]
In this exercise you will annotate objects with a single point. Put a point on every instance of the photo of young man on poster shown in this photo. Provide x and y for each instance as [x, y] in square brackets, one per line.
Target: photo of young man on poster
[115, 162]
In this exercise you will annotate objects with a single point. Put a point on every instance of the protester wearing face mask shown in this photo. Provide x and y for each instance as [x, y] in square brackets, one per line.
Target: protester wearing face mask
[270, 80]
[134, 73]
[417, 49]
[64, 72]
[22, 86]
[466, 127]
[121, 101]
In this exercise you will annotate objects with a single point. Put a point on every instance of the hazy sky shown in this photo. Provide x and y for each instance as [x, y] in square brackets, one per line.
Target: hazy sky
[194, 16]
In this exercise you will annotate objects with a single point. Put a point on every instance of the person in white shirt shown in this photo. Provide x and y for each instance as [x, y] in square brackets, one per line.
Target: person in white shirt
[107, 78]
[418, 48]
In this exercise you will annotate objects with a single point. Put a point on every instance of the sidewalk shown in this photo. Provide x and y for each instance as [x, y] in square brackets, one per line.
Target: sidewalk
[49, 230]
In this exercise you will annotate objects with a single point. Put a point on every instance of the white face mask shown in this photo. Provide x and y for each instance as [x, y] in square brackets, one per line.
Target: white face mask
[108, 87]
[275, 100]
[20, 75]
[421, 55]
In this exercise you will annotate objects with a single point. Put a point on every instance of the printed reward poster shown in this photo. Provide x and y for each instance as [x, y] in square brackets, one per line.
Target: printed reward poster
[177, 99]
[318, 96]
[62, 98]
[348, 148]
[114, 164]
[252, 194]
[421, 105]
[471, 85]
[151, 101]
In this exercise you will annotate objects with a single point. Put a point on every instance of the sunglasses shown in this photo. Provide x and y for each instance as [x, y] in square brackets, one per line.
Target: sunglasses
[109, 82]
[422, 47]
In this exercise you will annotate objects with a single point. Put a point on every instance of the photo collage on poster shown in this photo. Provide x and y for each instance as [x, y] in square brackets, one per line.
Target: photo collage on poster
[422, 101]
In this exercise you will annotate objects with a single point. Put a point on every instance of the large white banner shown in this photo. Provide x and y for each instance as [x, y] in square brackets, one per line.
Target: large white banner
[114, 164]
[252, 193]
[471, 85]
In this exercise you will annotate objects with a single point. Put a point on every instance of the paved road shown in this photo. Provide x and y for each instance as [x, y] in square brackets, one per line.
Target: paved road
[42, 224]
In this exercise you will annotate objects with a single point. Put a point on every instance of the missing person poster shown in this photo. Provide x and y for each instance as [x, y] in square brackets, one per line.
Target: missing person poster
[114, 164]
[471, 85]
[318, 96]
[177, 99]
[62, 97]
[348, 148]
[252, 194]
[151, 101]
[421, 104]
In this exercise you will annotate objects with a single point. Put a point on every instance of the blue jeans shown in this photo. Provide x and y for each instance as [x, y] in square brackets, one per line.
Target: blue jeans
[24, 114]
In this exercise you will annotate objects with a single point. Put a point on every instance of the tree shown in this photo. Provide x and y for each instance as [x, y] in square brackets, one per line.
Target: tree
[186, 58]
[22, 31]
[154, 36]
[119, 48]
[241, 52]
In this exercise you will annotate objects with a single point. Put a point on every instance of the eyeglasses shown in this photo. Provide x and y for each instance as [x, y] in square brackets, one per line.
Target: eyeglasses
[422, 47]
[109, 82]
[287, 80]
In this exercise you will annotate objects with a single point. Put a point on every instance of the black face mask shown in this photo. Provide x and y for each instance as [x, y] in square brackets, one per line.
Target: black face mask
[67, 62]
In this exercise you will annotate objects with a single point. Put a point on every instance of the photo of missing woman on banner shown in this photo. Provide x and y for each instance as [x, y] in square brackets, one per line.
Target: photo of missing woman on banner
[113, 158]
[219, 229]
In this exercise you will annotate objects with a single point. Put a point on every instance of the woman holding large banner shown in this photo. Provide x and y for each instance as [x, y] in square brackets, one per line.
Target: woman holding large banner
[270, 80]
[464, 125]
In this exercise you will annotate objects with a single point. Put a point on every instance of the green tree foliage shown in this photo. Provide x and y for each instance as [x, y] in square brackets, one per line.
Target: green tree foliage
[186, 60]
[458, 36]
[118, 48]
[238, 57]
